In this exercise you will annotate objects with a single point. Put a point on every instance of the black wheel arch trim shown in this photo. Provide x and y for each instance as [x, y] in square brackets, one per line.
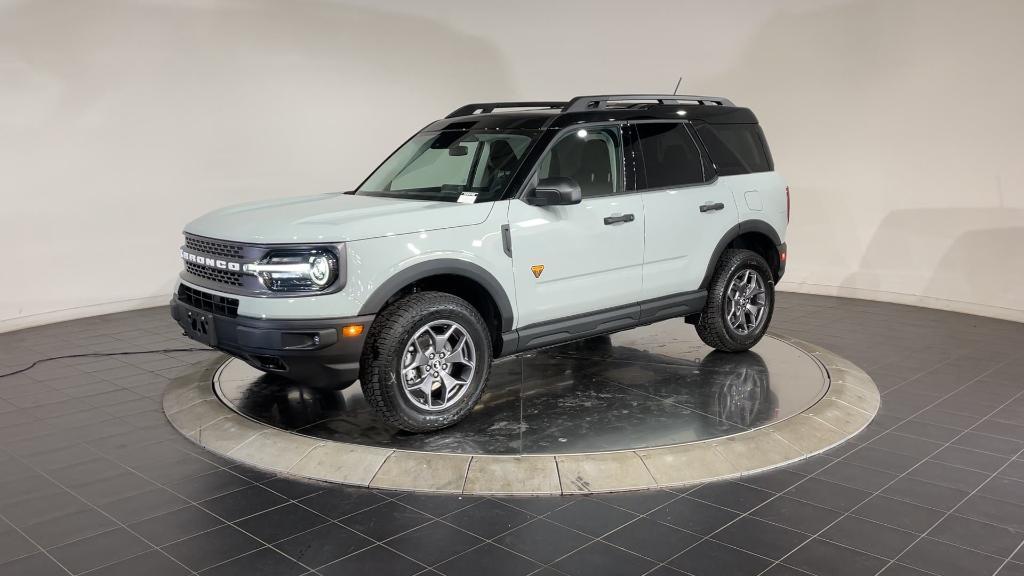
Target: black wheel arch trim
[736, 231]
[436, 267]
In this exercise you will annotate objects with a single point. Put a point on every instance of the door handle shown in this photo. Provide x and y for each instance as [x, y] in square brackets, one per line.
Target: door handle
[711, 206]
[616, 218]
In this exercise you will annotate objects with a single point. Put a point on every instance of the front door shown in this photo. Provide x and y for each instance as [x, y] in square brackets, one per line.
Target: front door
[584, 258]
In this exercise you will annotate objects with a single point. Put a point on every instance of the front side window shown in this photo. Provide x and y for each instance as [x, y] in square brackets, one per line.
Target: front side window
[451, 166]
[591, 156]
[671, 157]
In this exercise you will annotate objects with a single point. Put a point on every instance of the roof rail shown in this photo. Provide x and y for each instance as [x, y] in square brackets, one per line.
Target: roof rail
[485, 107]
[583, 103]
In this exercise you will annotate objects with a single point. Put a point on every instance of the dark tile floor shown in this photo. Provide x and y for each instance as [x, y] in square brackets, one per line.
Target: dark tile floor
[93, 479]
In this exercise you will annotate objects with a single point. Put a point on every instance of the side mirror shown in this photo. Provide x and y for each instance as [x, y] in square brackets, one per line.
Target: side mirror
[555, 191]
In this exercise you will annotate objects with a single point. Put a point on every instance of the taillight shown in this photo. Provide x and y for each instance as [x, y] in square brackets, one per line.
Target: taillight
[787, 204]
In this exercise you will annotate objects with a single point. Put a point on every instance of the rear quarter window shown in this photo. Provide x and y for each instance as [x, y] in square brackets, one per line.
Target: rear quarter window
[736, 148]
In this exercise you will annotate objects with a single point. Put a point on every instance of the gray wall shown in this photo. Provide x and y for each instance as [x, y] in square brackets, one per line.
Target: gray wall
[893, 120]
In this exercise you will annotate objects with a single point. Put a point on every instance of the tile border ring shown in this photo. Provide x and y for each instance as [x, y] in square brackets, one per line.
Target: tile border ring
[849, 405]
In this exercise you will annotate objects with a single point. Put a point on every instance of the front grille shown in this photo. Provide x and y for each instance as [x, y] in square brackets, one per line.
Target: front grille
[208, 302]
[214, 248]
[226, 277]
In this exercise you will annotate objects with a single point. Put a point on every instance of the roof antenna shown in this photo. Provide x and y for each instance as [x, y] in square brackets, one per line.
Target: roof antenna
[676, 91]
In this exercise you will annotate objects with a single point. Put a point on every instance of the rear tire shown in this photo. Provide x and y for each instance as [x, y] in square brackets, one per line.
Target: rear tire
[740, 303]
[417, 378]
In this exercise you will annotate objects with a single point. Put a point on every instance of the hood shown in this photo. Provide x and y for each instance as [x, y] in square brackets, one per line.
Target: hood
[334, 217]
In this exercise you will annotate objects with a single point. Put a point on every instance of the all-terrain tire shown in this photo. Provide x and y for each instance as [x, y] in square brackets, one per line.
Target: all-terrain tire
[380, 369]
[713, 326]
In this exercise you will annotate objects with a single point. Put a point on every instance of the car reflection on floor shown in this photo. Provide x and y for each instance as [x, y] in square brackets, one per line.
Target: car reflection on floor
[634, 390]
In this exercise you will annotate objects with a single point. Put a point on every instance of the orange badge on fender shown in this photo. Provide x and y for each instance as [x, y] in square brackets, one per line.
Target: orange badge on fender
[537, 269]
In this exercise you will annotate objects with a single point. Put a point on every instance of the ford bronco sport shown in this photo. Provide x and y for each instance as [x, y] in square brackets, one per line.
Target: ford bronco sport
[501, 228]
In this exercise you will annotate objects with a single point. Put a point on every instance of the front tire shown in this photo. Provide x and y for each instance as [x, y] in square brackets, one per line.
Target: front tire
[740, 303]
[426, 361]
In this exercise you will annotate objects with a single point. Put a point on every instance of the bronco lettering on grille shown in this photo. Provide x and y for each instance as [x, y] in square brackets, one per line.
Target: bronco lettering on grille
[211, 262]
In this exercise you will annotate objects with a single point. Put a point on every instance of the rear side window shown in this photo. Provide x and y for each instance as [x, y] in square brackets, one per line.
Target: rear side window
[671, 157]
[736, 148]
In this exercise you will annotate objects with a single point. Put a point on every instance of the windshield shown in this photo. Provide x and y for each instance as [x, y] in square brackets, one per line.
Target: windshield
[451, 166]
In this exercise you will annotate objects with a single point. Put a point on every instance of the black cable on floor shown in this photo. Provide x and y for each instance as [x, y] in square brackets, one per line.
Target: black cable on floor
[100, 354]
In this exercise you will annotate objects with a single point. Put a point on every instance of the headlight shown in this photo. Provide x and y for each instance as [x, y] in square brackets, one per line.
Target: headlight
[296, 270]
[321, 270]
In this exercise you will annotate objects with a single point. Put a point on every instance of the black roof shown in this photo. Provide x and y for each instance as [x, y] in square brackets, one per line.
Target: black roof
[536, 115]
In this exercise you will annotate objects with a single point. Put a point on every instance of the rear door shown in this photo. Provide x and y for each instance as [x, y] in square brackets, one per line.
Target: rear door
[688, 210]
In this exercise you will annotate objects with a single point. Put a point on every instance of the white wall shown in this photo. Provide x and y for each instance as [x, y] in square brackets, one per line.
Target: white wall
[895, 122]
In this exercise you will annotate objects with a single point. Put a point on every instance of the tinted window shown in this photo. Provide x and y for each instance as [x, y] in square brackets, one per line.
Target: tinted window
[671, 157]
[591, 156]
[735, 148]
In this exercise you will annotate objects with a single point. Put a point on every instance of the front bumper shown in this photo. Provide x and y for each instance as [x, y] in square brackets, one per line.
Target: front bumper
[309, 351]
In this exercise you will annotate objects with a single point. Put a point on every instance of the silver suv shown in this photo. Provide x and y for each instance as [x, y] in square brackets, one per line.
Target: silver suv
[500, 228]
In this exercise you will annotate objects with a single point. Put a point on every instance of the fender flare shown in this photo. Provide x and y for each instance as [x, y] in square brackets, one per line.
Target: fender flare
[452, 266]
[759, 226]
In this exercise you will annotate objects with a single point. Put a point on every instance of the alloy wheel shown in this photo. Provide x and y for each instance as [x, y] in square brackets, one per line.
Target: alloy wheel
[438, 365]
[746, 300]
